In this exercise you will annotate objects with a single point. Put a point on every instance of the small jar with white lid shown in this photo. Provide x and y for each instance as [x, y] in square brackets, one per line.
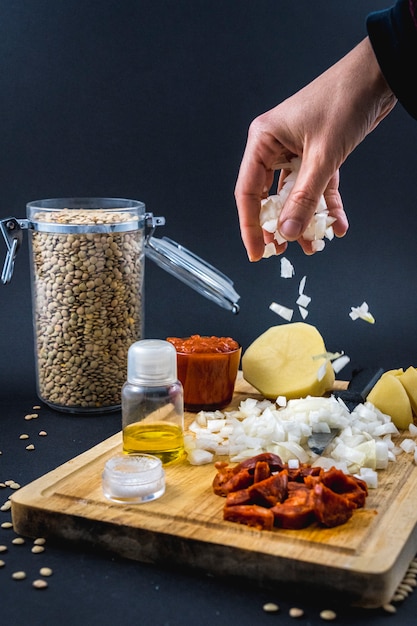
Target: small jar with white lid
[152, 402]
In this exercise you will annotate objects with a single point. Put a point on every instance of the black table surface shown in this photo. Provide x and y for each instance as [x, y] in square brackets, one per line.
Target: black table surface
[90, 587]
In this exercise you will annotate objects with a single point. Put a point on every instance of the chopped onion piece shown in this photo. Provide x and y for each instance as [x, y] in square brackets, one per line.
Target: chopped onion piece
[287, 269]
[293, 464]
[199, 456]
[412, 429]
[408, 445]
[303, 312]
[362, 312]
[282, 311]
[269, 250]
[339, 363]
[281, 401]
[303, 300]
[302, 285]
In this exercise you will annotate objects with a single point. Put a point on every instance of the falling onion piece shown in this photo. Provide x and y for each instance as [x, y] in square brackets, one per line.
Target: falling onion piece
[362, 312]
[339, 361]
[303, 300]
[303, 312]
[287, 268]
[282, 311]
[320, 225]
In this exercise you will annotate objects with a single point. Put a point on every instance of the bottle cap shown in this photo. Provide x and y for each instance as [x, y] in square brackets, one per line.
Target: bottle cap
[152, 362]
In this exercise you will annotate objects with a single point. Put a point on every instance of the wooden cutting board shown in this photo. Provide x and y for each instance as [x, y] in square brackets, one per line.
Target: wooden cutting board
[365, 559]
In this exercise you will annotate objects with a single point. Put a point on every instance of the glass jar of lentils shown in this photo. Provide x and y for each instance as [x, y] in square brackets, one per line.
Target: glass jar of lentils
[87, 268]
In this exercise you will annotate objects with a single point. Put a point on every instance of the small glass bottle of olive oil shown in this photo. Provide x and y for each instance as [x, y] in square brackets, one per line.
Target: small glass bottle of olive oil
[152, 401]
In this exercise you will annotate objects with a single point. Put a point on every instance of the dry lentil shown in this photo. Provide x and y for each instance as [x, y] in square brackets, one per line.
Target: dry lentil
[39, 584]
[39, 541]
[87, 308]
[270, 607]
[20, 575]
[45, 571]
[328, 615]
[18, 541]
[295, 612]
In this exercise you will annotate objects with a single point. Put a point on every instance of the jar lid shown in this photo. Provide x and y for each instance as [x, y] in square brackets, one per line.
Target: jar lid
[133, 478]
[193, 271]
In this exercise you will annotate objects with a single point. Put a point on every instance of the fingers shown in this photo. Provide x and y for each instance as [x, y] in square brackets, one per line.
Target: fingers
[312, 182]
[253, 183]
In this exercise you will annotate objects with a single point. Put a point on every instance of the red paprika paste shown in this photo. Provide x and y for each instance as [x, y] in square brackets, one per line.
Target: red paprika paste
[207, 369]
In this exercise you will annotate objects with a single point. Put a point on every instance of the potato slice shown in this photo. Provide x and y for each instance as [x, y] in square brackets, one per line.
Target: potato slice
[280, 362]
[409, 380]
[390, 397]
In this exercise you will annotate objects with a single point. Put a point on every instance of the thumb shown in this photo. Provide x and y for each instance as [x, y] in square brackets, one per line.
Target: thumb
[302, 200]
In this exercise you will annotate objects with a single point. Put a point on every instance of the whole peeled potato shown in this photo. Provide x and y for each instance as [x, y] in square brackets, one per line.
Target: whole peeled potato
[281, 362]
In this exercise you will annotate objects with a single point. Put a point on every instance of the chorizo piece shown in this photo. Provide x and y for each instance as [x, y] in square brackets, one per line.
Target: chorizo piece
[250, 514]
[271, 490]
[330, 508]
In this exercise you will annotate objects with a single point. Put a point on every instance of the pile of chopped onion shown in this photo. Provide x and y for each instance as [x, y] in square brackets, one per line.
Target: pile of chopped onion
[319, 227]
[363, 446]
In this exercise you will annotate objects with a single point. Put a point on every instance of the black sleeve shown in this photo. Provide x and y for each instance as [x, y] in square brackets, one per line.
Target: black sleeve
[393, 35]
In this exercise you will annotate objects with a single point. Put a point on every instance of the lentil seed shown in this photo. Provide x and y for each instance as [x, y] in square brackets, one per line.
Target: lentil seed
[45, 571]
[328, 615]
[39, 584]
[18, 541]
[270, 607]
[398, 597]
[296, 612]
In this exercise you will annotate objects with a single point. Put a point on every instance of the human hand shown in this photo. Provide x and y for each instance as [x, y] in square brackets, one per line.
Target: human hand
[322, 123]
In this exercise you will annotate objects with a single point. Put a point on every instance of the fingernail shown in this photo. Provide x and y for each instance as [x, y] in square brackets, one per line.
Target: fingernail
[291, 229]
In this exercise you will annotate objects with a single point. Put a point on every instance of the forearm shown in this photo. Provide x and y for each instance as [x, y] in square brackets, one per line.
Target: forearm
[393, 35]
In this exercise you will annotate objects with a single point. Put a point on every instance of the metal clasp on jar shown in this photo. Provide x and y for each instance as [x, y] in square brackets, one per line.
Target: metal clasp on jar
[11, 229]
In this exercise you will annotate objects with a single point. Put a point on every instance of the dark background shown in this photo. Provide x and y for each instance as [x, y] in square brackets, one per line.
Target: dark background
[151, 100]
